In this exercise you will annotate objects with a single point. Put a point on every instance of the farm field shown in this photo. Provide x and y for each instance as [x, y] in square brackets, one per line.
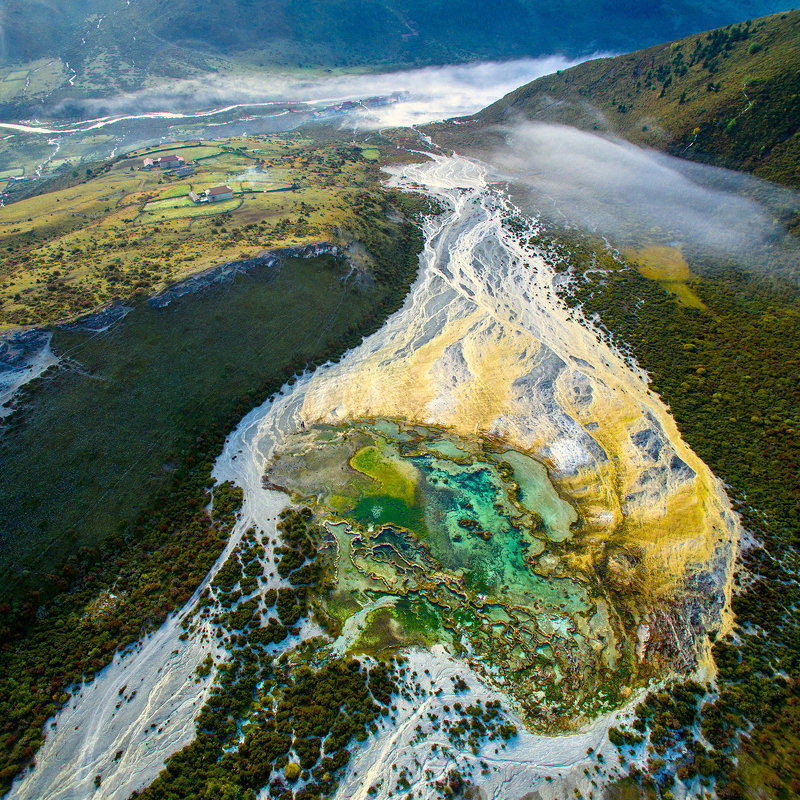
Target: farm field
[127, 230]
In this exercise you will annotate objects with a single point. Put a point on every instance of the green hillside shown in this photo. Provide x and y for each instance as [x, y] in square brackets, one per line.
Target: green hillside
[108, 45]
[729, 97]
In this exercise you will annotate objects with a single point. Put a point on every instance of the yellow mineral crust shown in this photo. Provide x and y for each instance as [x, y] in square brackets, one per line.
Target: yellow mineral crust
[484, 348]
[679, 526]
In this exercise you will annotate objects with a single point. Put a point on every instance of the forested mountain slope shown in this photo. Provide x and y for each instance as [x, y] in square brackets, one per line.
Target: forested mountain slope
[129, 42]
[729, 97]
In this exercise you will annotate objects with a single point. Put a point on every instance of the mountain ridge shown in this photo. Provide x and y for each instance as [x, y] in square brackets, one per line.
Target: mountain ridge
[121, 44]
[726, 97]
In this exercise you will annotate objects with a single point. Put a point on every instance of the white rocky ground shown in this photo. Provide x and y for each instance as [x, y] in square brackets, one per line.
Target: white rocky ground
[483, 346]
[15, 372]
[502, 771]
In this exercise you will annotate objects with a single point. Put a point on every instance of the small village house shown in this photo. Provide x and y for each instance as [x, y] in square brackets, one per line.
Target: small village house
[170, 161]
[165, 162]
[217, 193]
[213, 195]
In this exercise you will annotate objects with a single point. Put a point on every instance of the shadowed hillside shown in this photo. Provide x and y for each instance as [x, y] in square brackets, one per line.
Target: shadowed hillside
[728, 97]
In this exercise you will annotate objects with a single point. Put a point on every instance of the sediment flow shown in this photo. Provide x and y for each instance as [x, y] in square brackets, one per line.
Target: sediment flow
[482, 354]
[484, 347]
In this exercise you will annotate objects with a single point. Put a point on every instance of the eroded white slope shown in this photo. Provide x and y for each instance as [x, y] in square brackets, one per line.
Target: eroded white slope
[481, 345]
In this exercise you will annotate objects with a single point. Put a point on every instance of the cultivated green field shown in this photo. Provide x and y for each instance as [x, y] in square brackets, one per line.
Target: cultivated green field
[121, 229]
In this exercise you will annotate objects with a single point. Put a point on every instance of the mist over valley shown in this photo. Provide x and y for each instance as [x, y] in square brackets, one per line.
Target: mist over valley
[399, 400]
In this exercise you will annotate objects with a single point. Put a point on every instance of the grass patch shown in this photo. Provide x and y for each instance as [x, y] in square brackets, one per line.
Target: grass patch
[178, 199]
[668, 267]
[184, 208]
[187, 152]
[151, 383]
[394, 479]
[382, 635]
[178, 190]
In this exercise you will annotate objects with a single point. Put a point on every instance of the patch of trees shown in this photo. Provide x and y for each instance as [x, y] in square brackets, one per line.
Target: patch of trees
[299, 560]
[718, 43]
[477, 723]
[731, 376]
[415, 206]
[168, 554]
[302, 737]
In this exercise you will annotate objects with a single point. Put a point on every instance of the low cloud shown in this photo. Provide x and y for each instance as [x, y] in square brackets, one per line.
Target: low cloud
[421, 95]
[626, 192]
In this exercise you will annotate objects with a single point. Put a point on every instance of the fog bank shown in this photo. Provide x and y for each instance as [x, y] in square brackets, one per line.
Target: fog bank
[420, 95]
[623, 191]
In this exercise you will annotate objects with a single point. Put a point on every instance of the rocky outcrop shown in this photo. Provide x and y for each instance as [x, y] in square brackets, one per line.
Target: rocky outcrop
[224, 273]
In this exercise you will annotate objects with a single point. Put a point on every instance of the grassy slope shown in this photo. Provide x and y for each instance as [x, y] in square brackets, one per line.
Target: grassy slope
[729, 97]
[126, 230]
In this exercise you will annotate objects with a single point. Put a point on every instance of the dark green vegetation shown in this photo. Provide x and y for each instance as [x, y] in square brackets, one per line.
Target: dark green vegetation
[300, 547]
[106, 463]
[274, 721]
[110, 596]
[670, 717]
[303, 735]
[112, 45]
[731, 376]
[96, 440]
[728, 97]
[475, 724]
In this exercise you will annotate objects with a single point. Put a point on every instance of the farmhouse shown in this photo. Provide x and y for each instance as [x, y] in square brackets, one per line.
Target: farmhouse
[170, 162]
[182, 172]
[212, 195]
[165, 162]
[217, 193]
